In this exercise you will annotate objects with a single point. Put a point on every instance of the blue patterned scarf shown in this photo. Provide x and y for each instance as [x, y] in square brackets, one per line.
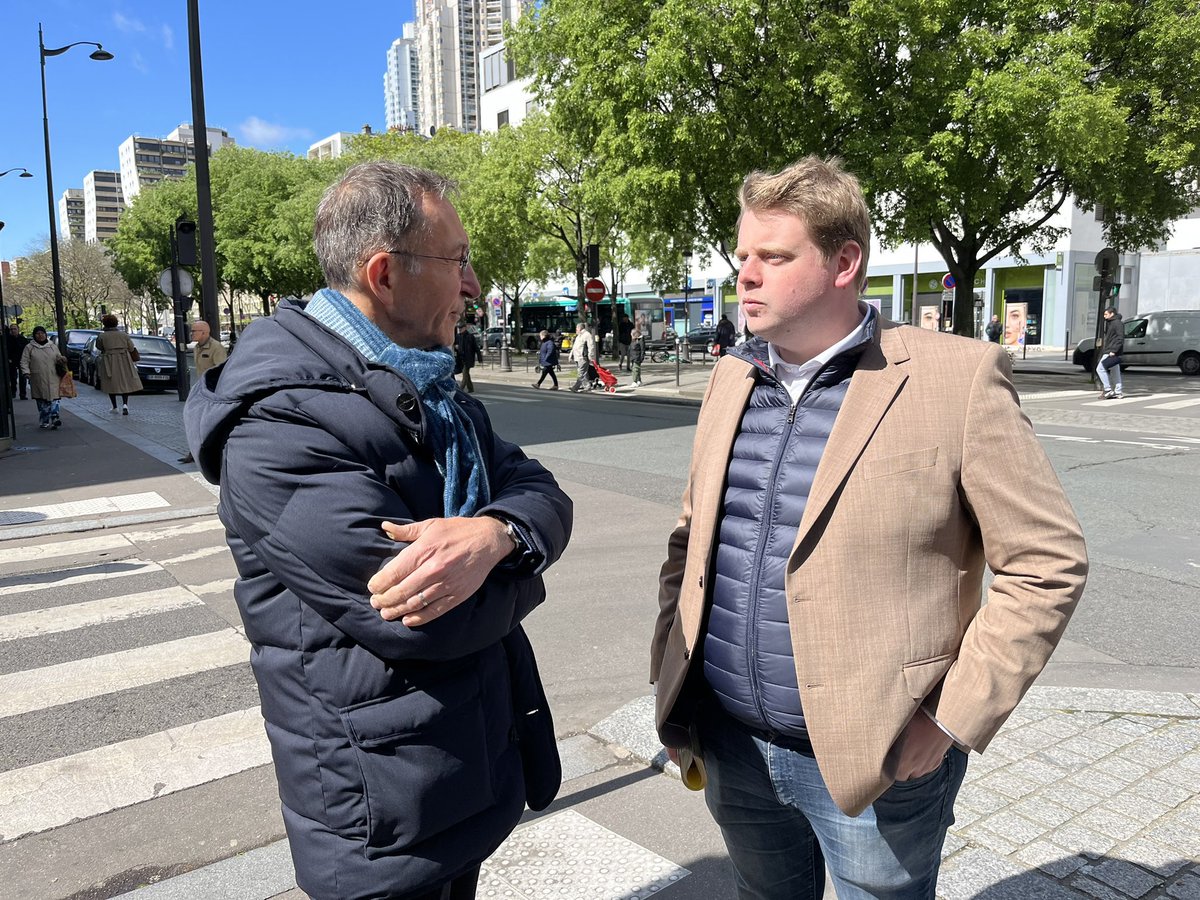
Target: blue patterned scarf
[449, 429]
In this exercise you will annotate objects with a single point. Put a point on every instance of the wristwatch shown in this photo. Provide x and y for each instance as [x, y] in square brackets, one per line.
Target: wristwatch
[512, 533]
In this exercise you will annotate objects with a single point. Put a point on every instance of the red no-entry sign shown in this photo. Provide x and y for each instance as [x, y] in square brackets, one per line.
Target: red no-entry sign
[595, 290]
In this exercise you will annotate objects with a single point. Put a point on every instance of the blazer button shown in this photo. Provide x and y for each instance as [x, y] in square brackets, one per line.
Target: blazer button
[406, 403]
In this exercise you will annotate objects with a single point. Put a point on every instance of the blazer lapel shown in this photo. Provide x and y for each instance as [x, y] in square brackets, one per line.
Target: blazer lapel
[875, 383]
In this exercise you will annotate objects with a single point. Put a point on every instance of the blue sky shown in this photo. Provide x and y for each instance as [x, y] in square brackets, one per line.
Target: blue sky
[277, 76]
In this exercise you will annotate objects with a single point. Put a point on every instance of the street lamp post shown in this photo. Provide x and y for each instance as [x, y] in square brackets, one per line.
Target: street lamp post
[100, 54]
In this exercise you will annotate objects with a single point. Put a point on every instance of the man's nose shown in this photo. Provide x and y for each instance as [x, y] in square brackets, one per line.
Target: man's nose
[749, 273]
[470, 282]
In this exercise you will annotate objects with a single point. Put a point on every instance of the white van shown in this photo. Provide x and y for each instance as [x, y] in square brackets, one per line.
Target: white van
[1169, 337]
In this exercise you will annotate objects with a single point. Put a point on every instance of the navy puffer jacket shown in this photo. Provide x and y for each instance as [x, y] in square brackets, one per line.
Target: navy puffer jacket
[748, 661]
[395, 749]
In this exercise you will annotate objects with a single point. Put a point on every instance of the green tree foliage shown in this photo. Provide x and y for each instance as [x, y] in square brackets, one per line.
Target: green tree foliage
[89, 283]
[970, 121]
[263, 209]
[142, 245]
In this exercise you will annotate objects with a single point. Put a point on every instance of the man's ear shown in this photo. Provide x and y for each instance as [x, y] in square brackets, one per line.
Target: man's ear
[376, 275]
[849, 265]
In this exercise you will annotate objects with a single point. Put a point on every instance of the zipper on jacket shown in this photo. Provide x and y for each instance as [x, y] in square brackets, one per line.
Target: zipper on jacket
[760, 551]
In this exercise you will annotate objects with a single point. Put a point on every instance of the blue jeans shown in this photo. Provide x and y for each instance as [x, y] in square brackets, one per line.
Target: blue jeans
[1104, 373]
[47, 411]
[782, 828]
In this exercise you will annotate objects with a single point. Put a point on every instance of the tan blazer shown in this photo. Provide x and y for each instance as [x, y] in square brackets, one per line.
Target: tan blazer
[931, 471]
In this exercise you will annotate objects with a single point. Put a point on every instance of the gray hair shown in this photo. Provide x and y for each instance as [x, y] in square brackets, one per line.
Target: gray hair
[373, 207]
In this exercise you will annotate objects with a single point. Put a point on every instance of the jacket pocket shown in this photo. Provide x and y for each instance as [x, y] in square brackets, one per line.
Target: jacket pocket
[424, 760]
[901, 462]
[921, 677]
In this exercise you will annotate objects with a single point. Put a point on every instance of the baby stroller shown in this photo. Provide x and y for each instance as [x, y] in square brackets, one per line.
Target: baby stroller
[606, 378]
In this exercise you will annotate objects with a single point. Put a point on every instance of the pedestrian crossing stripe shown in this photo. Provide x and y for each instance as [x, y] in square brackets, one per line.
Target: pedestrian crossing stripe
[59, 791]
[1126, 401]
[98, 572]
[57, 619]
[73, 508]
[56, 551]
[81, 679]
[1177, 404]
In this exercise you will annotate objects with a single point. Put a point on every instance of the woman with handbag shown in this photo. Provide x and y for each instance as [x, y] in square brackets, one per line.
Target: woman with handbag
[44, 366]
[118, 364]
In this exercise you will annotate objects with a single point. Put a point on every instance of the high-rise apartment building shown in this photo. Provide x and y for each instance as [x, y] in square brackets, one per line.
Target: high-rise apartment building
[146, 160]
[402, 82]
[70, 215]
[331, 147]
[103, 203]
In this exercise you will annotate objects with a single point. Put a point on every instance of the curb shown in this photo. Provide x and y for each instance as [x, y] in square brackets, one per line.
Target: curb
[165, 515]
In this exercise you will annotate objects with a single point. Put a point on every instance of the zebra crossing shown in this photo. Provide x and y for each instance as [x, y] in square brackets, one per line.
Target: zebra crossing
[1132, 402]
[143, 689]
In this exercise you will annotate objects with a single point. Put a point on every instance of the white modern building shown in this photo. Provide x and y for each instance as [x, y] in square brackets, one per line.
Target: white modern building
[451, 37]
[70, 215]
[146, 160]
[103, 203]
[331, 147]
[402, 82]
[504, 99]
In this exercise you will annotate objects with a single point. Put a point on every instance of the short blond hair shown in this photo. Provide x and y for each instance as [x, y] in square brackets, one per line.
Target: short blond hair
[822, 194]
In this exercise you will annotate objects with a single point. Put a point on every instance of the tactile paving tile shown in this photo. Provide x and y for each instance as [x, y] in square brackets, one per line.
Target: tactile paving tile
[569, 856]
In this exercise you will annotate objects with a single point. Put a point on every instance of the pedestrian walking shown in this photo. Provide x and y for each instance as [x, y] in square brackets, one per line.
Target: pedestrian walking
[207, 354]
[466, 352]
[724, 336]
[18, 381]
[994, 330]
[637, 354]
[118, 364]
[624, 339]
[583, 352]
[44, 366]
[822, 644]
[1109, 366]
[547, 359]
[407, 722]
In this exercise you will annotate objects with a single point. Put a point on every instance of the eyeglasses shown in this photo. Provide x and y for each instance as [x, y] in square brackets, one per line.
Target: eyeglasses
[463, 261]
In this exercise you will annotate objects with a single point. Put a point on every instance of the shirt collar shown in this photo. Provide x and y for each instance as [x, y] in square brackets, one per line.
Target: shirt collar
[790, 370]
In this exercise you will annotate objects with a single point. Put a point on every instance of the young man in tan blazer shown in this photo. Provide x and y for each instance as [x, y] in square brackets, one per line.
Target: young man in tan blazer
[822, 641]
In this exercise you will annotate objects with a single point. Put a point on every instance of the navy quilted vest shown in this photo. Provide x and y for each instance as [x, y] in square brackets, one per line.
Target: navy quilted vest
[747, 648]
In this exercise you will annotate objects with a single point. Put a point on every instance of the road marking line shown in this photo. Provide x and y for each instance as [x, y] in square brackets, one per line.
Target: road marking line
[1177, 404]
[213, 587]
[64, 548]
[138, 537]
[72, 508]
[115, 569]
[1053, 395]
[59, 791]
[34, 689]
[196, 554]
[37, 622]
[1125, 401]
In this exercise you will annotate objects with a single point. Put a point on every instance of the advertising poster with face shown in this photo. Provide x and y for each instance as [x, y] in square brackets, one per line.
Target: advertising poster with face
[1015, 315]
[928, 317]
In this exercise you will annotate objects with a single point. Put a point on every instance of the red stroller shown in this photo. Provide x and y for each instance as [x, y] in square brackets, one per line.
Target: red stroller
[606, 378]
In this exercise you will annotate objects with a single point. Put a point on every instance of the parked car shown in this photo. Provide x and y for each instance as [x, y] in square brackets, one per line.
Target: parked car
[1163, 338]
[77, 338]
[156, 365]
[494, 337]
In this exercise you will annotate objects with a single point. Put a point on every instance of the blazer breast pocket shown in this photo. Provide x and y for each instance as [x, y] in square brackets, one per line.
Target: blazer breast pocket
[911, 460]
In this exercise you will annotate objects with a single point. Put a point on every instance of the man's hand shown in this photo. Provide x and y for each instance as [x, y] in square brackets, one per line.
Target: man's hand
[445, 562]
[921, 745]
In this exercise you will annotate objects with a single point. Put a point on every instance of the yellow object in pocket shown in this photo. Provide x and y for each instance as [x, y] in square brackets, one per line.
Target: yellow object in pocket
[691, 765]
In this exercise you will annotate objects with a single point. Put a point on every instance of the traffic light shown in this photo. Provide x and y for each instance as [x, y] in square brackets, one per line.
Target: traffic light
[185, 241]
[593, 260]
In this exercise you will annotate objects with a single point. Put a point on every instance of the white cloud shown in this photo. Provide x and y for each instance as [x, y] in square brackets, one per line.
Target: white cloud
[126, 24]
[139, 63]
[168, 37]
[258, 133]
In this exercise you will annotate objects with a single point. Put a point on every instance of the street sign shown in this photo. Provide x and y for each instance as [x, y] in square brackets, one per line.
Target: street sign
[595, 290]
[186, 284]
[948, 281]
